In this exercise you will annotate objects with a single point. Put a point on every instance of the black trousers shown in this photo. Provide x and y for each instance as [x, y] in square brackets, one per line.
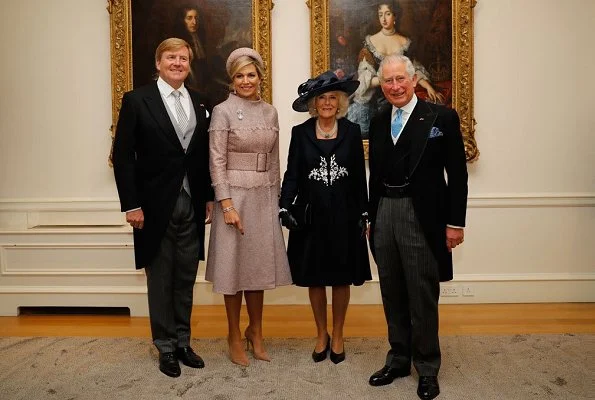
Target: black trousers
[171, 277]
[410, 287]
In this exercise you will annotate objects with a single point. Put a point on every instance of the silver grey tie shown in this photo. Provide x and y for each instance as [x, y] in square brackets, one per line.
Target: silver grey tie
[182, 117]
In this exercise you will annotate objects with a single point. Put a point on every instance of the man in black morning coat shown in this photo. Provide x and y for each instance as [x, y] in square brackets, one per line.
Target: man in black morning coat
[161, 165]
[417, 219]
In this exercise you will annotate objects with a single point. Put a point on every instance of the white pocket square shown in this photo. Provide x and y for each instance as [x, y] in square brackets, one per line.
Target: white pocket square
[435, 132]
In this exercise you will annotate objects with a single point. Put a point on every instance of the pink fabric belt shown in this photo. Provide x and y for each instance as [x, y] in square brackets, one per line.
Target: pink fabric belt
[259, 162]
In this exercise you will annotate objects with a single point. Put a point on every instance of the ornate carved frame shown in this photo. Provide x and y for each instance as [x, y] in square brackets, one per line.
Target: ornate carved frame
[462, 49]
[121, 48]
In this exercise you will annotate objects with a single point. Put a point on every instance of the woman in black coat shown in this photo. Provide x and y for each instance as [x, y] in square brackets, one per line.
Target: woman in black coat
[324, 205]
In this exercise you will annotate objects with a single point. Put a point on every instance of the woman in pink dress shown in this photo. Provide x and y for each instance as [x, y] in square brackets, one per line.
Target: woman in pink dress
[246, 247]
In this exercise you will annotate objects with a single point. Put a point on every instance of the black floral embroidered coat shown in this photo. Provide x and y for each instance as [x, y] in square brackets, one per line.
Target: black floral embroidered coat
[331, 177]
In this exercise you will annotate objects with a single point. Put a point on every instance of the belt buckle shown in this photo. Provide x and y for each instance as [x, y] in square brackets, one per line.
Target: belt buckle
[261, 162]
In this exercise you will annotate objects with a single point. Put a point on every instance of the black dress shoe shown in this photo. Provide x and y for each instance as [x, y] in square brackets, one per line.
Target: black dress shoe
[318, 357]
[428, 388]
[337, 357]
[168, 364]
[387, 375]
[189, 357]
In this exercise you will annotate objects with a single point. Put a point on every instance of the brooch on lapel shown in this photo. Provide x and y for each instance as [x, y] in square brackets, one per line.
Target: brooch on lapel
[206, 111]
[240, 114]
[435, 132]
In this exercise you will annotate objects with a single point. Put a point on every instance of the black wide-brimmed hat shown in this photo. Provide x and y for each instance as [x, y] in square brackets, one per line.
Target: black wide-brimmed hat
[326, 82]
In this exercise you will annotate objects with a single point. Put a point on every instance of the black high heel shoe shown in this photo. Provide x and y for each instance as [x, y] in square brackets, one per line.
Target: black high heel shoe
[318, 357]
[338, 357]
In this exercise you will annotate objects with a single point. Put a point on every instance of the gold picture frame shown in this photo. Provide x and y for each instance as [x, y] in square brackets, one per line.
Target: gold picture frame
[120, 12]
[462, 61]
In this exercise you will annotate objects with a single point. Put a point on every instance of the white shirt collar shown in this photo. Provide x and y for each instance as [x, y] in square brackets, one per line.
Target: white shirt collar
[166, 90]
[407, 108]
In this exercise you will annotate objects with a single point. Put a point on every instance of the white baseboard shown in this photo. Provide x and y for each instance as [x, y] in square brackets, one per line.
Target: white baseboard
[501, 289]
[14, 298]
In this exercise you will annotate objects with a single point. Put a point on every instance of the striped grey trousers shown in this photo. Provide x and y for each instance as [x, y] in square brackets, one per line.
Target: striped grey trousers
[171, 277]
[410, 287]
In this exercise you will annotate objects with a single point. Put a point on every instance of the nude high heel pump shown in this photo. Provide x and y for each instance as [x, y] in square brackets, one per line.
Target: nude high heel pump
[261, 354]
[237, 354]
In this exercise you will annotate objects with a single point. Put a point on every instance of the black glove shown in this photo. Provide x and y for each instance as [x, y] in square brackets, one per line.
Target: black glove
[363, 224]
[287, 220]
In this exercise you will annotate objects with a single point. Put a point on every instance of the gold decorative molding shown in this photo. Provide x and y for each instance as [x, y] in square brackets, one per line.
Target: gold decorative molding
[462, 64]
[462, 32]
[320, 55]
[121, 58]
[121, 49]
[261, 37]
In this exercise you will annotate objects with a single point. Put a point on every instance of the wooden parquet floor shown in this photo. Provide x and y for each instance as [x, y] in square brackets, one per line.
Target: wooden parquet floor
[296, 321]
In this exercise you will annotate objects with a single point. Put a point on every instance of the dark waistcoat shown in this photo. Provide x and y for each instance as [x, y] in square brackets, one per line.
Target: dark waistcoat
[397, 173]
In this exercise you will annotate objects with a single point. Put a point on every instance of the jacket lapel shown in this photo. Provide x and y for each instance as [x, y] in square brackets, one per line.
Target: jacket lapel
[199, 111]
[418, 128]
[157, 109]
[383, 140]
[341, 132]
[311, 131]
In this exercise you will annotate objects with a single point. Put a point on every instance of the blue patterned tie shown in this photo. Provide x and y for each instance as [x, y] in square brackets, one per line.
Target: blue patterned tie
[397, 124]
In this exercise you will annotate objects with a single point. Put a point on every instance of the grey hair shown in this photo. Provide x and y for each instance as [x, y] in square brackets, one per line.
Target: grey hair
[341, 109]
[393, 59]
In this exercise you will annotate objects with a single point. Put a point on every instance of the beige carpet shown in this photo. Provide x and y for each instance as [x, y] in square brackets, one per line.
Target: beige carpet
[479, 367]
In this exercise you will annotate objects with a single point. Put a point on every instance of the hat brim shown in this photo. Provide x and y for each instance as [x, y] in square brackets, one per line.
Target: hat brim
[301, 103]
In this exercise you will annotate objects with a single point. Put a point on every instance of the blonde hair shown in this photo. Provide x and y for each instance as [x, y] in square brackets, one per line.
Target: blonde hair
[240, 63]
[341, 109]
[172, 44]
